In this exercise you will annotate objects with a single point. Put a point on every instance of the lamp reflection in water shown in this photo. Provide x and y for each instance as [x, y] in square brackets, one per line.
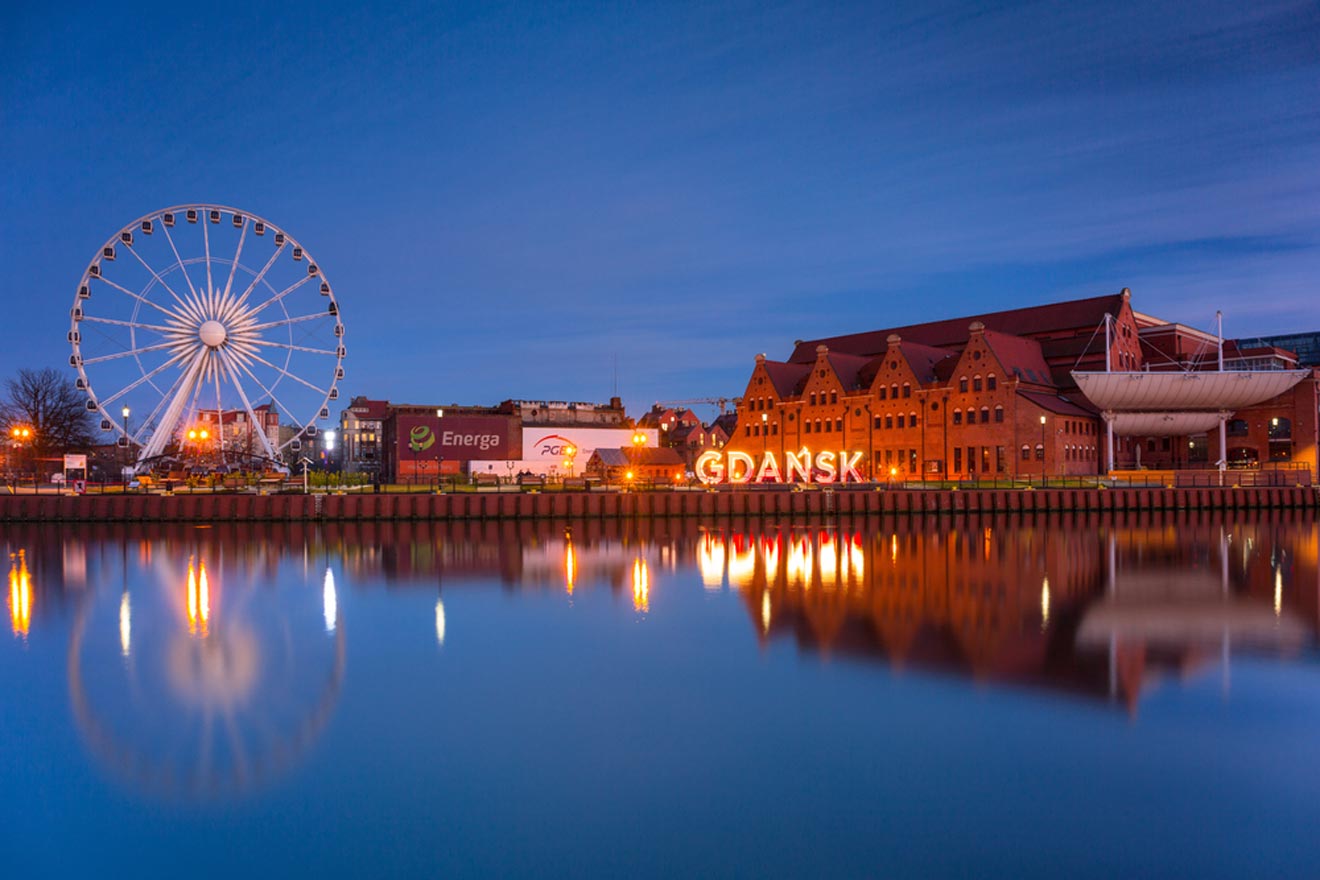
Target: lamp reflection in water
[570, 566]
[329, 601]
[641, 577]
[1045, 604]
[440, 622]
[20, 594]
[765, 612]
[829, 560]
[125, 624]
[742, 562]
[199, 600]
[710, 561]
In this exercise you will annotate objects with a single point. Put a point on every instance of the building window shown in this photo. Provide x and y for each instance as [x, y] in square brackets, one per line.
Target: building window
[1001, 459]
[884, 392]
[957, 417]
[957, 459]
[876, 424]
[834, 397]
[991, 383]
[907, 389]
[999, 414]
[817, 426]
[1040, 452]
[889, 422]
[985, 414]
[912, 419]
[838, 424]
[1238, 428]
[1026, 452]
[962, 383]
[1280, 429]
[900, 420]
[806, 426]
[774, 432]
[893, 391]
[976, 383]
[985, 459]
[971, 417]
[971, 459]
[829, 425]
[813, 398]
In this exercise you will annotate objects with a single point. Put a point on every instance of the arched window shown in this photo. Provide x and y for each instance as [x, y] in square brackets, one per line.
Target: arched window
[962, 383]
[818, 425]
[999, 412]
[912, 419]
[976, 382]
[883, 392]
[907, 389]
[971, 416]
[991, 383]
[813, 398]
[806, 426]
[985, 414]
[893, 391]
[889, 421]
[901, 420]
[1026, 452]
[957, 417]
[1040, 452]
[834, 397]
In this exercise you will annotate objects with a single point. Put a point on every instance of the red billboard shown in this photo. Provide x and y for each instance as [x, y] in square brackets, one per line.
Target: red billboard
[419, 438]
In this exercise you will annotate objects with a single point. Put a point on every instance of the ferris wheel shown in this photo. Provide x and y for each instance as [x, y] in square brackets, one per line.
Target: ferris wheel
[204, 330]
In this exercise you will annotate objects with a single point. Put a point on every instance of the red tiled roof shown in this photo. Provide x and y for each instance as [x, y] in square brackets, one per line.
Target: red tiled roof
[1054, 317]
[1020, 357]
[848, 368]
[788, 379]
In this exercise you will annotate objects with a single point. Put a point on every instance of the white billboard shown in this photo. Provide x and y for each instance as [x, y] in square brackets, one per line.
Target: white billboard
[547, 444]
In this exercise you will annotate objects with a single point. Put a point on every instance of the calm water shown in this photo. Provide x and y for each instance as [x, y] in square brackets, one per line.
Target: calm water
[1076, 697]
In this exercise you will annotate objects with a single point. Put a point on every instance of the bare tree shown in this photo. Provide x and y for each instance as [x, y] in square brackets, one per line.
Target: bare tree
[51, 406]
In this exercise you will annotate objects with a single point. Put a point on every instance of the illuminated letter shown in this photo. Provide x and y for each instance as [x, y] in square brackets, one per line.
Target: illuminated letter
[848, 466]
[734, 459]
[710, 469]
[769, 470]
[797, 465]
[825, 464]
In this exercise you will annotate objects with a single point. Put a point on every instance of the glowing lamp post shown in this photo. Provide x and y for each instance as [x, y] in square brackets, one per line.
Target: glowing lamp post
[20, 435]
[1042, 450]
[638, 442]
[127, 443]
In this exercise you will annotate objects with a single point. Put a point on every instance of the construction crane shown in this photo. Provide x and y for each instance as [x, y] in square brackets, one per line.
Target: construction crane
[721, 402]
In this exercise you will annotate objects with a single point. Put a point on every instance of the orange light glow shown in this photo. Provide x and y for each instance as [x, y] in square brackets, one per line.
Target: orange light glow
[570, 567]
[20, 595]
[641, 585]
[629, 475]
[710, 561]
[199, 601]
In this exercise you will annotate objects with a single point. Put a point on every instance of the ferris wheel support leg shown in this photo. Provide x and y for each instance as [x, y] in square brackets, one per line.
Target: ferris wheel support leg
[226, 359]
[165, 430]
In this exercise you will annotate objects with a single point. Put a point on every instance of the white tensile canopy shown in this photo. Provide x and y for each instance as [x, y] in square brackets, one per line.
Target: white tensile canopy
[1178, 391]
[1163, 424]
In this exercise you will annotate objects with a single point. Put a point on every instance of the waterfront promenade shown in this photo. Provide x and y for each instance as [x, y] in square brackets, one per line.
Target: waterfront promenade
[611, 505]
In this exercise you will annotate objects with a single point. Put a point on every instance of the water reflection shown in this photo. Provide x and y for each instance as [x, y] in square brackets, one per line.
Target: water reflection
[230, 643]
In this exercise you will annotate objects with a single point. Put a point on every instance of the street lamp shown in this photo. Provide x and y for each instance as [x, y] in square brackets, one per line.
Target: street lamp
[20, 434]
[1042, 450]
[127, 445]
[765, 428]
[638, 441]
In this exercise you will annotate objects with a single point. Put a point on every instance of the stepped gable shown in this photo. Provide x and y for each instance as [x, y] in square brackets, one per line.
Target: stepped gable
[1073, 315]
[788, 379]
[849, 368]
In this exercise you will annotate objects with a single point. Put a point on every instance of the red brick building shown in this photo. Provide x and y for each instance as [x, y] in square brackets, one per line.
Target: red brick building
[998, 395]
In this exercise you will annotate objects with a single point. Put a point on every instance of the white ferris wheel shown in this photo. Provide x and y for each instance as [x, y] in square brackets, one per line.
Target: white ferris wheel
[207, 330]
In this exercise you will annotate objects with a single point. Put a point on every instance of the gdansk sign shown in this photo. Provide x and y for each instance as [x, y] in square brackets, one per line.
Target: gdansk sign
[826, 466]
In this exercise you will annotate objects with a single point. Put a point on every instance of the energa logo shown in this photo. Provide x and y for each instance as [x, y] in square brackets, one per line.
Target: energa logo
[420, 438]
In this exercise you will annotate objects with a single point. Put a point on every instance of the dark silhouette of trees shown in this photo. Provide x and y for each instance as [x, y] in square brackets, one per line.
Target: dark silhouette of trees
[48, 403]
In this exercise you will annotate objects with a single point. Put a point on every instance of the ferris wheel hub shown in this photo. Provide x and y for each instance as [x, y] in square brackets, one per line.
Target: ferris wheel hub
[213, 334]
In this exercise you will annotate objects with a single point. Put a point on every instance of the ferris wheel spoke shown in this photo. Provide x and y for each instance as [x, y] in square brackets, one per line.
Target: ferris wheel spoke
[134, 324]
[178, 259]
[247, 405]
[206, 243]
[277, 297]
[146, 377]
[286, 373]
[131, 352]
[233, 267]
[233, 360]
[137, 296]
[220, 413]
[287, 321]
[154, 274]
[266, 343]
[257, 278]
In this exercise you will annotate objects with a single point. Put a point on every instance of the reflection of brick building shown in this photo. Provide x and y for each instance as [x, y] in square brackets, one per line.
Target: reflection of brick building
[996, 395]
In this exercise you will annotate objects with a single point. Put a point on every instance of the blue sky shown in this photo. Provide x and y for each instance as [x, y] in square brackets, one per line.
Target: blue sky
[509, 197]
